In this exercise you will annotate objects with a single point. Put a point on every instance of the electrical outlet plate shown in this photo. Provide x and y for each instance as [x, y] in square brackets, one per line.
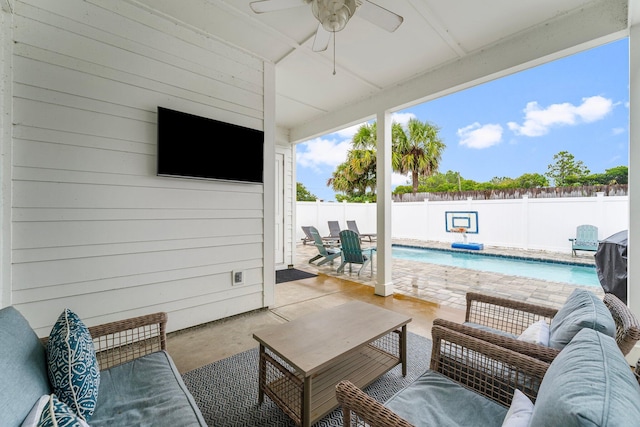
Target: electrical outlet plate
[237, 277]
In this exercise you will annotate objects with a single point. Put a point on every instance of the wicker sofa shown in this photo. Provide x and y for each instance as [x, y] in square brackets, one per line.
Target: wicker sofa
[138, 382]
[502, 321]
[473, 383]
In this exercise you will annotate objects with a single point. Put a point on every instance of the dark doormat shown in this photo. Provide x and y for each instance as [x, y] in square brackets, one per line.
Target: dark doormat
[290, 274]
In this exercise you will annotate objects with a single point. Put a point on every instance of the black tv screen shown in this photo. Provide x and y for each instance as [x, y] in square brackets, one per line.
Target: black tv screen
[191, 146]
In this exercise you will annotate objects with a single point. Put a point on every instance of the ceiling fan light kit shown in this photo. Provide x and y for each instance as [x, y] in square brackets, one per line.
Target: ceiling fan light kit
[333, 14]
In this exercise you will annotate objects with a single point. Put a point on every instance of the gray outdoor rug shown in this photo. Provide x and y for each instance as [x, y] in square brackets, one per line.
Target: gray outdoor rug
[227, 391]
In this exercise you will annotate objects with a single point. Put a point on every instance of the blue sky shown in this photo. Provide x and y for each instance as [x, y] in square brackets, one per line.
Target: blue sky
[513, 125]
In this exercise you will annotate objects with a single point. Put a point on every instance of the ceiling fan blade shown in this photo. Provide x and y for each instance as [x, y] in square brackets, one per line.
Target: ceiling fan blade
[274, 5]
[379, 16]
[321, 40]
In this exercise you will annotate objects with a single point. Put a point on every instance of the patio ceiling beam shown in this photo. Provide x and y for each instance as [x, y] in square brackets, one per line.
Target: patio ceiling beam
[587, 27]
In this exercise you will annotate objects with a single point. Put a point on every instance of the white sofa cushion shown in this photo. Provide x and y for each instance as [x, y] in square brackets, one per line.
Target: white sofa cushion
[51, 412]
[537, 333]
[519, 413]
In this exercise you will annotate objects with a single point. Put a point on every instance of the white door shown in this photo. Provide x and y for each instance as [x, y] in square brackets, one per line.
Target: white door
[279, 206]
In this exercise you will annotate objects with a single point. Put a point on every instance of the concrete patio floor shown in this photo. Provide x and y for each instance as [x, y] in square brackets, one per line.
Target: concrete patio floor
[200, 345]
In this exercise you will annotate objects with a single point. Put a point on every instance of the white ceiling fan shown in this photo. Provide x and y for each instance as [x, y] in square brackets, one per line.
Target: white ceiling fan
[333, 15]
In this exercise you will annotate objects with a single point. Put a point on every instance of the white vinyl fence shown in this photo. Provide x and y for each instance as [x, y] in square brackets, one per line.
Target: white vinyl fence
[537, 224]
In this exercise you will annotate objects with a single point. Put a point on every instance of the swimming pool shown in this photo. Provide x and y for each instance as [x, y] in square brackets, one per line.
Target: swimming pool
[575, 274]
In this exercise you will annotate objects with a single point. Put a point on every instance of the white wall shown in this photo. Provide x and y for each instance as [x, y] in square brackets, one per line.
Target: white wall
[92, 227]
[538, 224]
[6, 49]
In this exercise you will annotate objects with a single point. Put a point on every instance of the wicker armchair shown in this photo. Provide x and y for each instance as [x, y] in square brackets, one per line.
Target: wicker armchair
[627, 325]
[513, 317]
[516, 371]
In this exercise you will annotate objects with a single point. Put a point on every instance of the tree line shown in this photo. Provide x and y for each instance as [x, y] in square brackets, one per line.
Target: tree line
[417, 150]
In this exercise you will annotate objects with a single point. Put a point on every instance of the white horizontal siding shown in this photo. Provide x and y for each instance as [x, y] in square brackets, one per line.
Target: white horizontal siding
[93, 228]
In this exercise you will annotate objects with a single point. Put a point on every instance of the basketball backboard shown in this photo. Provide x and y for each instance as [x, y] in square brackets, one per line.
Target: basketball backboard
[461, 222]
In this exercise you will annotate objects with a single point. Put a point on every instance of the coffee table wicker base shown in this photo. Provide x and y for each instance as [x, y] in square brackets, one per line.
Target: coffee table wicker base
[286, 388]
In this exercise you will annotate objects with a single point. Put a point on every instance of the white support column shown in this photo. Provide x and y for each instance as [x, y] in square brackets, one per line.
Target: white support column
[384, 283]
[633, 253]
[269, 186]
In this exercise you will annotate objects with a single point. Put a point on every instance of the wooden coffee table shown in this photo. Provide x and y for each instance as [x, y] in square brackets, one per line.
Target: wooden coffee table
[302, 361]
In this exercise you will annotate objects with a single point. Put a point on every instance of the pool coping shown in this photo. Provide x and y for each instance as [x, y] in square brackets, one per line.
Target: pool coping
[448, 286]
[494, 255]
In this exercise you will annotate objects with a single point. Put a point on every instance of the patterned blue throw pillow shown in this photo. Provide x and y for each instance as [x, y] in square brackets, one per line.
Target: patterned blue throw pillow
[50, 412]
[72, 365]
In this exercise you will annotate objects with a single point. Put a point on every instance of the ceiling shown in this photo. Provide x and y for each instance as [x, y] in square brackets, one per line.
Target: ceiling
[441, 46]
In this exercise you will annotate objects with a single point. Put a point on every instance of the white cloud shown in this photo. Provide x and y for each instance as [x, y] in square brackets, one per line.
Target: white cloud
[480, 136]
[347, 133]
[398, 179]
[322, 152]
[402, 118]
[617, 131]
[538, 121]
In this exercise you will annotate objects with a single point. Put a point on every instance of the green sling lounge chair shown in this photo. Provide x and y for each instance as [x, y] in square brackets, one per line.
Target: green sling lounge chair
[307, 235]
[328, 241]
[352, 252]
[326, 254]
[586, 239]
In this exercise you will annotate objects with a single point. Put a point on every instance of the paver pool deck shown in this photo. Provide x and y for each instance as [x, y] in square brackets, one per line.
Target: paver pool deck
[448, 285]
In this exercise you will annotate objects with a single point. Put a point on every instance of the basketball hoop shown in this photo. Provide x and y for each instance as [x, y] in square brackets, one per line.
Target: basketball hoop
[461, 230]
[458, 230]
[462, 223]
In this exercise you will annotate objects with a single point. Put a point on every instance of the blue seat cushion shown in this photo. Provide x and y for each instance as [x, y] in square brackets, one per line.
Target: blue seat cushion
[582, 309]
[147, 391]
[589, 383]
[435, 400]
[23, 368]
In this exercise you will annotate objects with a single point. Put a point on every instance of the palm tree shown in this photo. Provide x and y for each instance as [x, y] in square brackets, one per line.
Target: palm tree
[363, 157]
[358, 172]
[417, 151]
[366, 137]
[343, 179]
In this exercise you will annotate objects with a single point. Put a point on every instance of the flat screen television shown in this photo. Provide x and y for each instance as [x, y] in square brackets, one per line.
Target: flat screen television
[191, 146]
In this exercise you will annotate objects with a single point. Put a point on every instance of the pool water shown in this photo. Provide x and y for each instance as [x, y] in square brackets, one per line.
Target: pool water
[553, 271]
